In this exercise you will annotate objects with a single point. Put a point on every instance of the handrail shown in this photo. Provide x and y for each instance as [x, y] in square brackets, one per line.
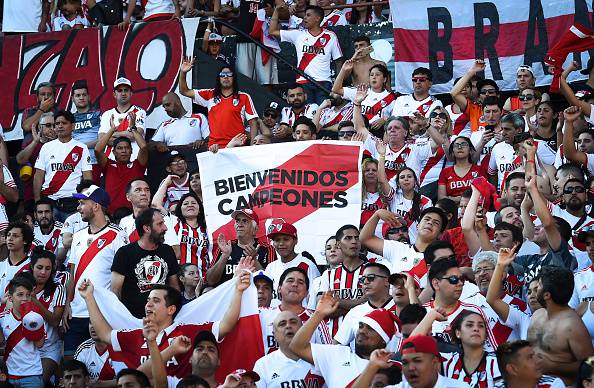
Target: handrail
[271, 52]
[341, 6]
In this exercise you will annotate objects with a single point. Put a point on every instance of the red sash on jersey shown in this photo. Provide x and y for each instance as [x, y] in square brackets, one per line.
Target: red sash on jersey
[322, 42]
[431, 162]
[52, 243]
[378, 106]
[331, 21]
[123, 126]
[60, 177]
[13, 339]
[423, 108]
[97, 246]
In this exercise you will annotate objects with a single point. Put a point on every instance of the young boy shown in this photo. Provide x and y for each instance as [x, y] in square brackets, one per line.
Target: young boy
[24, 333]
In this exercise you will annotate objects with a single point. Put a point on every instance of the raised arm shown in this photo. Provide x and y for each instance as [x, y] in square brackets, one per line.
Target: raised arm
[143, 154]
[572, 99]
[102, 328]
[456, 92]
[360, 95]
[161, 194]
[232, 314]
[25, 154]
[345, 70]
[571, 153]
[467, 223]
[382, 178]
[505, 258]
[367, 234]
[543, 213]
[379, 359]
[425, 326]
[102, 143]
[316, 119]
[184, 69]
[274, 28]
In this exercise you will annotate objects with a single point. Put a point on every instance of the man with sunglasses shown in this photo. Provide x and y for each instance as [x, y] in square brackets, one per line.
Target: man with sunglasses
[269, 123]
[420, 100]
[397, 233]
[575, 199]
[524, 78]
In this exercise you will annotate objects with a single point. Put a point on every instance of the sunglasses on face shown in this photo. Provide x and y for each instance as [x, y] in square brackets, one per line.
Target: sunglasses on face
[441, 115]
[526, 97]
[48, 125]
[271, 115]
[346, 133]
[370, 278]
[488, 91]
[576, 189]
[224, 74]
[419, 79]
[453, 280]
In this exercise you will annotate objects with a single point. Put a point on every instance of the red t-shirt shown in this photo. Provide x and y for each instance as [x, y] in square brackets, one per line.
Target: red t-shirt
[456, 185]
[117, 175]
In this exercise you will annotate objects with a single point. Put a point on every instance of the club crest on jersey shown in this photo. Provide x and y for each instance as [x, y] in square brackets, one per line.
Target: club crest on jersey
[235, 101]
[53, 241]
[425, 108]
[74, 156]
[192, 123]
[383, 103]
[100, 243]
[323, 40]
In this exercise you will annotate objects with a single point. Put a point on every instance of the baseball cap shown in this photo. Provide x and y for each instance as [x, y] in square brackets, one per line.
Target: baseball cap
[584, 95]
[262, 275]
[174, 155]
[122, 81]
[214, 37]
[281, 228]
[249, 213]
[205, 335]
[420, 344]
[94, 193]
[526, 68]
[586, 232]
[32, 322]
[397, 275]
[273, 108]
[589, 67]
[249, 373]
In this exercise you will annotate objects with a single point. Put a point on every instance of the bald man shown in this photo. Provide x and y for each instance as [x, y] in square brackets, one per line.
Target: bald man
[283, 368]
[184, 130]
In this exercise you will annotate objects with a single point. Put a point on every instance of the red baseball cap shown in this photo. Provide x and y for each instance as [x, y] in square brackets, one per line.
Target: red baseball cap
[284, 228]
[32, 322]
[249, 373]
[249, 213]
[420, 344]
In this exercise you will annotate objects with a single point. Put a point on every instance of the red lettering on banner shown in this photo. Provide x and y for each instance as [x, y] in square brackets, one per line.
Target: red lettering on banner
[99, 56]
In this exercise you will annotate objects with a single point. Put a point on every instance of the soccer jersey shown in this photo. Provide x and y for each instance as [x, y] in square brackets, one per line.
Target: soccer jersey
[484, 376]
[183, 130]
[226, 115]
[460, 122]
[406, 105]
[369, 205]
[583, 290]
[456, 185]
[193, 245]
[128, 224]
[288, 115]
[275, 269]
[426, 163]
[344, 284]
[503, 159]
[157, 9]
[314, 53]
[63, 165]
[394, 159]
[8, 271]
[130, 348]
[51, 241]
[403, 257]
[21, 356]
[8, 181]
[376, 105]
[175, 191]
[122, 123]
[339, 366]
[56, 300]
[267, 317]
[402, 206]
[99, 365]
[330, 116]
[279, 371]
[335, 18]
[86, 129]
[92, 254]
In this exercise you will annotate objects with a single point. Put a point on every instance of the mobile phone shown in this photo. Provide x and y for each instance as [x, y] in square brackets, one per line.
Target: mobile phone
[521, 137]
[489, 128]
[367, 50]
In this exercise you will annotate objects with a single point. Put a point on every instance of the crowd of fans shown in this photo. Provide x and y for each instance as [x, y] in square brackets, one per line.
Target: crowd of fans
[472, 264]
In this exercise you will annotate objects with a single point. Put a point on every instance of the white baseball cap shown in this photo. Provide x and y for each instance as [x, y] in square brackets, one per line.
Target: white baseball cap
[122, 81]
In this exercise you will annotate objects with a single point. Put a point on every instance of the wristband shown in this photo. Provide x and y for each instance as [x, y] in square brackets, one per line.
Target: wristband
[530, 161]
[44, 111]
[359, 105]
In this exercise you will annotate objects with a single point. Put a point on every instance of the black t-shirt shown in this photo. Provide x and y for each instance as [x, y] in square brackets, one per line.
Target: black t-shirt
[142, 269]
[266, 254]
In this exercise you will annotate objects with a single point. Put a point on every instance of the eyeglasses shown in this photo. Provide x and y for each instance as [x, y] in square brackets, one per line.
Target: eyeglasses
[419, 79]
[370, 278]
[526, 97]
[481, 270]
[453, 280]
[270, 114]
[178, 162]
[450, 257]
[346, 133]
[48, 125]
[224, 74]
[576, 189]
[441, 115]
[460, 145]
[488, 91]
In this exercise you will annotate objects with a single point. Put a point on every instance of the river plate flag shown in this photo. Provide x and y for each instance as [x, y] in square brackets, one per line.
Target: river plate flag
[315, 185]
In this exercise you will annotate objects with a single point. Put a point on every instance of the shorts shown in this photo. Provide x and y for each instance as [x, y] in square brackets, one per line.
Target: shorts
[52, 350]
[76, 335]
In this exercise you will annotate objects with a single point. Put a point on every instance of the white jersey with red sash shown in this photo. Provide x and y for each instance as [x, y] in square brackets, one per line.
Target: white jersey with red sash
[63, 164]
[122, 122]
[288, 115]
[92, 254]
[21, 356]
[193, 245]
[395, 159]
[51, 241]
[330, 116]
[376, 105]
[260, 31]
[99, 365]
[406, 105]
[8, 181]
[483, 376]
[314, 53]
[8, 271]
[345, 285]
[334, 18]
[426, 163]
[460, 122]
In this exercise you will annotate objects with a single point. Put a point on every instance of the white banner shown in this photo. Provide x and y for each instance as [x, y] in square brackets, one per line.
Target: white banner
[447, 36]
[315, 185]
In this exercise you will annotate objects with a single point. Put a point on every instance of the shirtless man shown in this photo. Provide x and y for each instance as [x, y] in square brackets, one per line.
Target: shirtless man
[363, 62]
[559, 336]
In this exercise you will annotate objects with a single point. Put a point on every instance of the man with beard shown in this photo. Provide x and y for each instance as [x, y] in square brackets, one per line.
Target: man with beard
[338, 364]
[47, 230]
[138, 266]
[284, 368]
[91, 256]
[296, 98]
[574, 197]
[86, 119]
[514, 189]
[556, 331]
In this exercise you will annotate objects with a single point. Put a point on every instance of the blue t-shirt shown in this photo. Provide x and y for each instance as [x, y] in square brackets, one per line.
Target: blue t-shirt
[86, 128]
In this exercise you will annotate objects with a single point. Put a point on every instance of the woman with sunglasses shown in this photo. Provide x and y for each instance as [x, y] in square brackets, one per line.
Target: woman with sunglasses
[228, 108]
[529, 100]
[454, 180]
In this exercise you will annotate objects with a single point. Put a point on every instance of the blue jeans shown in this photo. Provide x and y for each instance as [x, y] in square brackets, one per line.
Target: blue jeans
[27, 382]
[315, 95]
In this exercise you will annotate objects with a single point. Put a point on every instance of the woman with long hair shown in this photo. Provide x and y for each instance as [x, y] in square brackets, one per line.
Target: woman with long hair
[585, 376]
[191, 282]
[454, 180]
[371, 193]
[547, 131]
[50, 298]
[366, 14]
[529, 99]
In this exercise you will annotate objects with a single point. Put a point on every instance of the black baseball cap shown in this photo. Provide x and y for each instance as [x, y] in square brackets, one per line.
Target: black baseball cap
[589, 67]
[205, 335]
[174, 155]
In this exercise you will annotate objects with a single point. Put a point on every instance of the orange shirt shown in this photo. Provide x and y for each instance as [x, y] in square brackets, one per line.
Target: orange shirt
[474, 111]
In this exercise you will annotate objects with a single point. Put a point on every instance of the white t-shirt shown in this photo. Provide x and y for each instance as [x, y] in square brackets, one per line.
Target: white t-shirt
[583, 289]
[92, 256]
[375, 105]
[122, 124]
[156, 8]
[184, 130]
[314, 53]
[406, 105]
[8, 271]
[63, 164]
[338, 364]
[60, 22]
[275, 269]
[279, 371]
[22, 15]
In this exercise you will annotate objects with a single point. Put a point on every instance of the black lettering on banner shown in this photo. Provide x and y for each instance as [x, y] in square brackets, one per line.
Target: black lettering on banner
[581, 16]
[439, 18]
[484, 42]
[225, 211]
[533, 52]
